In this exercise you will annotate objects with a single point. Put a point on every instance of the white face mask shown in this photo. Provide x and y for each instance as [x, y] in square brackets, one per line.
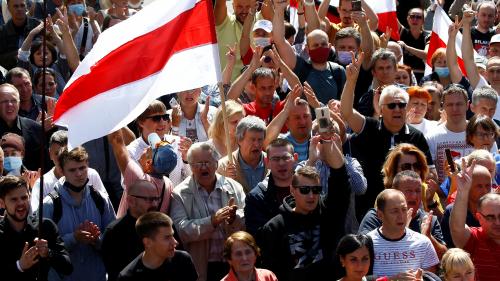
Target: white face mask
[262, 41]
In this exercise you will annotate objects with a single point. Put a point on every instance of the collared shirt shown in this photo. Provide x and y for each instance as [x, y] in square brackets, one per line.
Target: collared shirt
[252, 175]
[32, 113]
[213, 203]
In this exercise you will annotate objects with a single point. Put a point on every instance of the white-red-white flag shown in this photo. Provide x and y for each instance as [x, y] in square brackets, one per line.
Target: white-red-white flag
[167, 47]
[387, 17]
[439, 39]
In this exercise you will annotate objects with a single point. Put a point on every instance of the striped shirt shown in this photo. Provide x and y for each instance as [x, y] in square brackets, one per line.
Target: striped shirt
[412, 251]
[485, 254]
[213, 203]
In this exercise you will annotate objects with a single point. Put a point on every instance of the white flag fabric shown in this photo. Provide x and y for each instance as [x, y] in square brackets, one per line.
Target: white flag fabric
[167, 47]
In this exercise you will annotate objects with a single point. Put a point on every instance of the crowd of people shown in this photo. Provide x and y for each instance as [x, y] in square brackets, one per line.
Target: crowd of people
[343, 158]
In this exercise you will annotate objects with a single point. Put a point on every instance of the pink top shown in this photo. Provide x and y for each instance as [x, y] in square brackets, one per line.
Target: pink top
[134, 172]
[261, 274]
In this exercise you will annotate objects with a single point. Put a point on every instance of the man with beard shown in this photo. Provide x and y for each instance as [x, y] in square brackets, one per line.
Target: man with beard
[24, 255]
[80, 213]
[142, 198]
[262, 203]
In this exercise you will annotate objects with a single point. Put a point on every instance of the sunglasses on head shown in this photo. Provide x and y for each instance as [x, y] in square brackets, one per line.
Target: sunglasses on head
[392, 105]
[157, 118]
[305, 189]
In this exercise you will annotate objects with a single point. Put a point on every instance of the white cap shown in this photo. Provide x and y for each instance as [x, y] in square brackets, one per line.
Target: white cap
[266, 25]
[495, 39]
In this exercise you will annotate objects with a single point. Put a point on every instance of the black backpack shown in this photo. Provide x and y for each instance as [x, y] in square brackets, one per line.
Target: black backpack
[57, 203]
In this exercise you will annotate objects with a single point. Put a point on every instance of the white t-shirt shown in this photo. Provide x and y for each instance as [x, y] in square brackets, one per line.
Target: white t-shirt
[426, 126]
[50, 180]
[413, 251]
[181, 171]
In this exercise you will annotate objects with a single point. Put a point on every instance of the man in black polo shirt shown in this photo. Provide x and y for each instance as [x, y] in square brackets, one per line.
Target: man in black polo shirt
[374, 138]
[142, 197]
[160, 260]
[11, 122]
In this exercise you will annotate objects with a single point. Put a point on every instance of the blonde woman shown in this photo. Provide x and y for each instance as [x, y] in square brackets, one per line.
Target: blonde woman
[457, 266]
[216, 134]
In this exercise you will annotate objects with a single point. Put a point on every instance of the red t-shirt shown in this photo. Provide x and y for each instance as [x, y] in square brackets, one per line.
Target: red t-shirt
[485, 254]
[264, 113]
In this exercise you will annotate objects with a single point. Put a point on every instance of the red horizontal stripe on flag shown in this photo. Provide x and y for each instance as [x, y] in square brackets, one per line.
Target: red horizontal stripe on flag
[435, 43]
[142, 56]
[389, 19]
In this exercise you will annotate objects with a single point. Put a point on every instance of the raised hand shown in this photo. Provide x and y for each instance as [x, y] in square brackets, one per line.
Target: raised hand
[204, 112]
[313, 150]
[42, 247]
[425, 225]
[464, 177]
[311, 96]
[29, 257]
[30, 177]
[468, 17]
[352, 70]
[409, 216]
[231, 53]
[455, 27]
[385, 37]
[257, 58]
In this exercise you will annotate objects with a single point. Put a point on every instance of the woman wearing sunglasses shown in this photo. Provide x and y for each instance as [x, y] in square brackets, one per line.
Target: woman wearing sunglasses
[414, 42]
[156, 120]
[408, 157]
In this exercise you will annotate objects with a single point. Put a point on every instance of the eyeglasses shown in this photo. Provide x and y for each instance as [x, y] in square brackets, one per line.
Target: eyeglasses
[487, 135]
[305, 189]
[410, 166]
[491, 218]
[416, 17]
[392, 105]
[157, 118]
[147, 198]
[199, 165]
[277, 159]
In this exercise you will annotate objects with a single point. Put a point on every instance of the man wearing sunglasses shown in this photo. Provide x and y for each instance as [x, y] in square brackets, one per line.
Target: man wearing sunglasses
[309, 225]
[483, 243]
[142, 198]
[374, 138]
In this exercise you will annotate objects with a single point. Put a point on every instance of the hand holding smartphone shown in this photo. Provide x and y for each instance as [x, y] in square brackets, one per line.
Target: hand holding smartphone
[449, 159]
[356, 5]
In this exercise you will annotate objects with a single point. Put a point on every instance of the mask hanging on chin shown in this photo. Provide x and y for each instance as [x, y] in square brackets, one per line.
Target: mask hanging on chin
[319, 55]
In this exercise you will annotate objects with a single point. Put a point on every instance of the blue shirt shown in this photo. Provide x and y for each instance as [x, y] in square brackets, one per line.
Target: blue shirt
[253, 176]
[302, 149]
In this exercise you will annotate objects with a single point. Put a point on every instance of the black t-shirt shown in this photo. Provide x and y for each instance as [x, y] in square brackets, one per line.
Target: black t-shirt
[481, 41]
[179, 268]
[418, 43]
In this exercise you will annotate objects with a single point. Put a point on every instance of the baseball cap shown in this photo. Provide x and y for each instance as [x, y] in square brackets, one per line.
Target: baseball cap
[495, 39]
[13, 141]
[481, 61]
[266, 25]
[164, 156]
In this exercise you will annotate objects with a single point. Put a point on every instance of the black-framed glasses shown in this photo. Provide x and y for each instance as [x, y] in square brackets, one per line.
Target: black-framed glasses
[285, 158]
[490, 218]
[157, 118]
[305, 189]
[416, 17]
[486, 135]
[147, 198]
[392, 105]
[411, 166]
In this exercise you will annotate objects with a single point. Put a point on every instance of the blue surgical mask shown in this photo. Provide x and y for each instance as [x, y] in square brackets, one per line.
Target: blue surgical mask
[12, 163]
[344, 57]
[262, 41]
[442, 71]
[77, 9]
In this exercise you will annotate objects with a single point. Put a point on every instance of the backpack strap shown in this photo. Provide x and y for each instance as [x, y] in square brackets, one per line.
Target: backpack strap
[98, 200]
[57, 206]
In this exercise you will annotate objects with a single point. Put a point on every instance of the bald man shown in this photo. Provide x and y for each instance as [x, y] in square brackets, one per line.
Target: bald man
[483, 242]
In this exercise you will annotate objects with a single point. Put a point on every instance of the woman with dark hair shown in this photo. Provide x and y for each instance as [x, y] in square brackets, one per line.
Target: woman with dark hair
[404, 75]
[481, 132]
[241, 252]
[50, 82]
[356, 257]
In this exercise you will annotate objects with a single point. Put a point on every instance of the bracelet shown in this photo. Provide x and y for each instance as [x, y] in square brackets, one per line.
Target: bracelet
[18, 264]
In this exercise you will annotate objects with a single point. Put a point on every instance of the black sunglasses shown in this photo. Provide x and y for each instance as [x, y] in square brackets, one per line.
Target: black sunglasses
[157, 118]
[392, 105]
[418, 17]
[147, 198]
[410, 166]
[305, 189]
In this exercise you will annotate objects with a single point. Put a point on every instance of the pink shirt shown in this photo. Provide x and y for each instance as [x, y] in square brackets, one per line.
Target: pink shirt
[261, 274]
[132, 173]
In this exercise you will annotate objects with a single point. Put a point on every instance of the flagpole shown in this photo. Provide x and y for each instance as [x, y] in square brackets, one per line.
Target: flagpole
[42, 150]
[226, 125]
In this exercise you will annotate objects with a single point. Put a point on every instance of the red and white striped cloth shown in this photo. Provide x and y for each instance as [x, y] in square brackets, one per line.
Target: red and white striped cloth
[387, 17]
[167, 47]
